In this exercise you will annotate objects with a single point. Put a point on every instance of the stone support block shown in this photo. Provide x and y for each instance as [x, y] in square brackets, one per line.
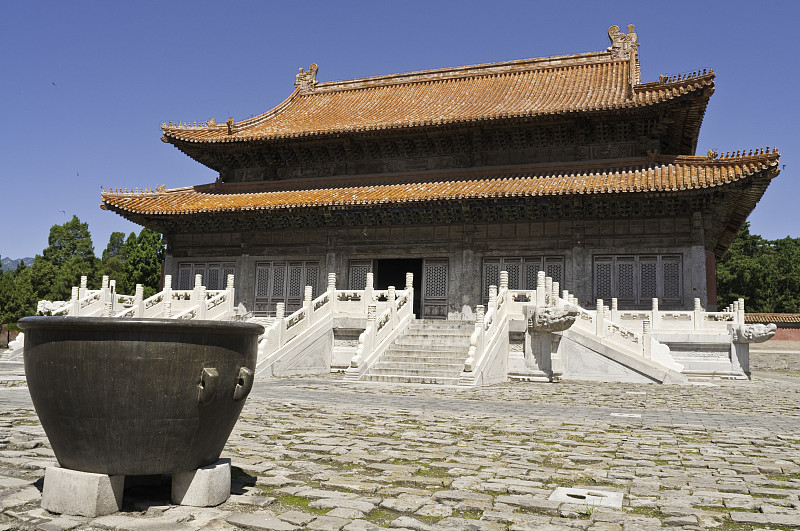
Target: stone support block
[205, 487]
[81, 493]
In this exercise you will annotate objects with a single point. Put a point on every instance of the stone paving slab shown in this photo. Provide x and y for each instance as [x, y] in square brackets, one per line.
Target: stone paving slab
[317, 453]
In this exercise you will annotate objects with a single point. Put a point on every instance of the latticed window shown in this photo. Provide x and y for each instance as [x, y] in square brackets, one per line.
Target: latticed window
[626, 280]
[603, 278]
[636, 280]
[672, 279]
[647, 276]
[262, 281]
[185, 276]
[285, 282]
[358, 273]
[435, 281]
[522, 271]
[213, 275]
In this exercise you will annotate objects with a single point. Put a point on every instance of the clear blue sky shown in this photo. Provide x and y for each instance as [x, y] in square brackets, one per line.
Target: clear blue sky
[86, 85]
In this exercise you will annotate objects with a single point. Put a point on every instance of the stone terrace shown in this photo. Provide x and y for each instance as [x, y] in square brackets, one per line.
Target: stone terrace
[322, 454]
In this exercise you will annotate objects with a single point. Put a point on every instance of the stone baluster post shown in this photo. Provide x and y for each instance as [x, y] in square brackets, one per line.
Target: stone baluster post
[112, 288]
[556, 290]
[392, 301]
[600, 318]
[138, 301]
[202, 302]
[647, 339]
[82, 291]
[280, 317]
[740, 312]
[75, 300]
[166, 298]
[655, 318]
[410, 290]
[540, 295]
[332, 292]
[198, 294]
[548, 290]
[307, 294]
[699, 315]
[369, 297]
[480, 316]
[104, 294]
[493, 297]
[614, 310]
[503, 291]
[372, 316]
[230, 287]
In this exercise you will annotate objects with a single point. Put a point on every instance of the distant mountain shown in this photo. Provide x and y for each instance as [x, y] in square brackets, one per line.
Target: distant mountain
[9, 264]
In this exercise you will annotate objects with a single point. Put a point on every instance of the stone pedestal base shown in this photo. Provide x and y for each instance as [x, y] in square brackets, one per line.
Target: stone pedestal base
[87, 494]
[204, 487]
[81, 493]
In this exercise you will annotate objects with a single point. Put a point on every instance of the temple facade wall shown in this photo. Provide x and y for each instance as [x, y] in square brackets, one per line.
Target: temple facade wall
[632, 260]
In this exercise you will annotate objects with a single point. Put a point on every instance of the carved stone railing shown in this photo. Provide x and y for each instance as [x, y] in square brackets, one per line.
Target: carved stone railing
[382, 328]
[197, 303]
[679, 320]
[489, 340]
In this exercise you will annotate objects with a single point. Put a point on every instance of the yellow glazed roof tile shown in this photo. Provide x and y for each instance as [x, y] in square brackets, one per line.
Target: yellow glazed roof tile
[672, 175]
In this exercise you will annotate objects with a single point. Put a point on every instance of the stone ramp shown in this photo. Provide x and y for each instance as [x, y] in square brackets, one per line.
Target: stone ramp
[428, 352]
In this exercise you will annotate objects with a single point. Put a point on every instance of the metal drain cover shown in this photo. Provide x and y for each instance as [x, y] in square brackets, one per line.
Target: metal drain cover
[587, 496]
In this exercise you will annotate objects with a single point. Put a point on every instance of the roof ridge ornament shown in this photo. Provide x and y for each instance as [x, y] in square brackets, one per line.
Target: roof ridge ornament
[306, 81]
[622, 44]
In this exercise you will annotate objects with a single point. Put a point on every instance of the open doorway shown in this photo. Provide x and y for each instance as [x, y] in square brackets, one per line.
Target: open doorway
[392, 272]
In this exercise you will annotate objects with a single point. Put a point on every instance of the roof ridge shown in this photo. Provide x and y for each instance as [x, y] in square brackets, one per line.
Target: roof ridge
[459, 72]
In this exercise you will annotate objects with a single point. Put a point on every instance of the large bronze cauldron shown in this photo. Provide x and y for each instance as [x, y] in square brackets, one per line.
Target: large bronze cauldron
[138, 396]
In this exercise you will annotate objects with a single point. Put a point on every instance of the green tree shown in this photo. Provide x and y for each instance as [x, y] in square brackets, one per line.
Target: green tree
[786, 274]
[766, 274]
[17, 296]
[143, 257]
[114, 256]
[70, 240]
[68, 256]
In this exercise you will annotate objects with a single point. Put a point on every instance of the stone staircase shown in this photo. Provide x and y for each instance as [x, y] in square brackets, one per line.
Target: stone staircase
[428, 352]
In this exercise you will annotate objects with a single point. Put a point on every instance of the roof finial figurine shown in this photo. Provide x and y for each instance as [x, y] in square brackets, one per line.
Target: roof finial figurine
[306, 81]
[229, 123]
[161, 188]
[622, 44]
[712, 154]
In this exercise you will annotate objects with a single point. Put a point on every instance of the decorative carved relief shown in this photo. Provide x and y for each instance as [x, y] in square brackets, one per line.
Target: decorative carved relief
[551, 319]
[753, 333]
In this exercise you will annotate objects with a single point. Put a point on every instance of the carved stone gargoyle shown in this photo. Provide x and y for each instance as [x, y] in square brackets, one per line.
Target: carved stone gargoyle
[753, 333]
[550, 318]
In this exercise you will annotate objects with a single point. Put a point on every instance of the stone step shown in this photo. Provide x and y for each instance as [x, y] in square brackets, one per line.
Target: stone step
[444, 348]
[400, 378]
[428, 352]
[441, 323]
[420, 354]
[438, 333]
[391, 364]
[431, 341]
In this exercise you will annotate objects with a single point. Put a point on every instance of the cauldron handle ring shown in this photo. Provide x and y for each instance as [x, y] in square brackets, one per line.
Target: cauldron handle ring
[207, 388]
[243, 384]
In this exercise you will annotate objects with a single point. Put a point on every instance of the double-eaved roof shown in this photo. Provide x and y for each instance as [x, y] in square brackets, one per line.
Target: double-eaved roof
[526, 92]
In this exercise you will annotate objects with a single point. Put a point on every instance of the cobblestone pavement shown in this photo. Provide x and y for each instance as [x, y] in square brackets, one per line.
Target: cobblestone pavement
[317, 453]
